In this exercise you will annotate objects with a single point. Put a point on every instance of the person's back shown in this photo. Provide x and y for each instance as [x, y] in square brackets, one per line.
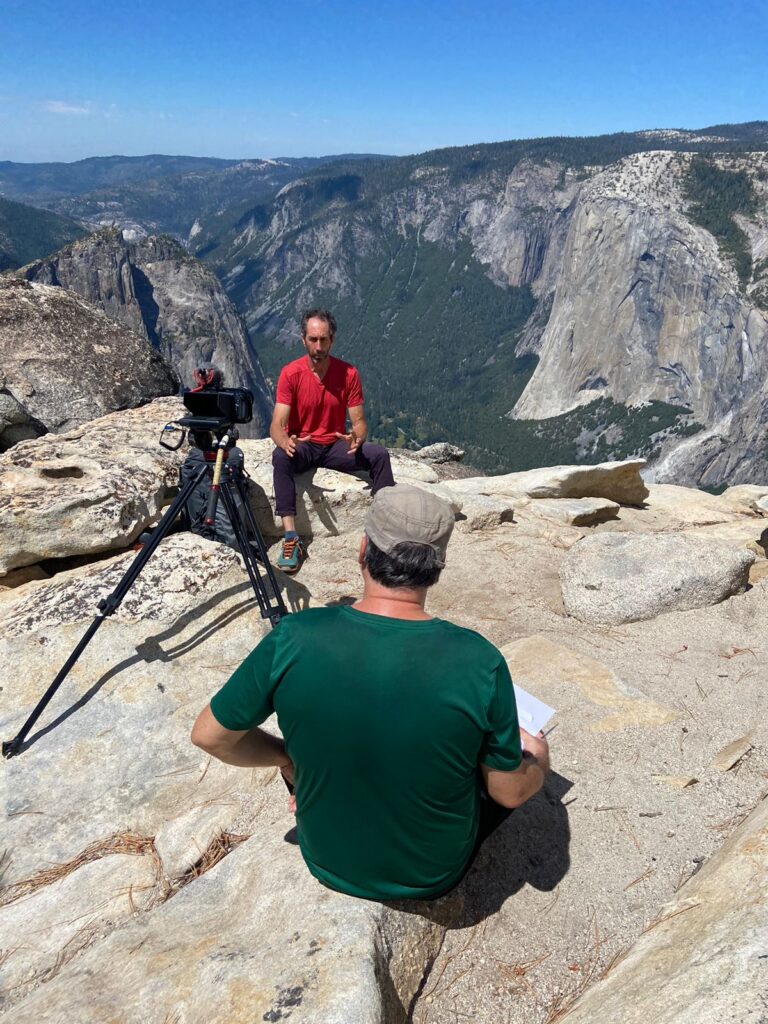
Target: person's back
[387, 720]
[397, 727]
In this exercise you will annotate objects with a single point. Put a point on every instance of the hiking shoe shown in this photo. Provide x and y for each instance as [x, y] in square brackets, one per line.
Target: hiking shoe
[292, 555]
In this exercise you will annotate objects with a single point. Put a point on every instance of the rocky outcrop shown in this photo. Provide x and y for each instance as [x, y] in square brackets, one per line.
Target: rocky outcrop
[95, 489]
[64, 362]
[157, 289]
[616, 481]
[89, 490]
[702, 957]
[133, 849]
[614, 578]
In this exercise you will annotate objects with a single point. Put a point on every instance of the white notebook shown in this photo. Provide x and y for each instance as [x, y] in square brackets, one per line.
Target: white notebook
[532, 713]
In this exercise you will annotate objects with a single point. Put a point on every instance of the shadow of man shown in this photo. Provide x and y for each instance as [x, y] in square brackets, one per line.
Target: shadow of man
[531, 846]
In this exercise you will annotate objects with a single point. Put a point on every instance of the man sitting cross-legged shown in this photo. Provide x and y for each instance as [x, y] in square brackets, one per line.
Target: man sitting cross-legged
[314, 395]
[401, 731]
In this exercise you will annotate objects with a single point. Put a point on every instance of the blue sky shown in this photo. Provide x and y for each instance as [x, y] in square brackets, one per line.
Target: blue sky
[313, 77]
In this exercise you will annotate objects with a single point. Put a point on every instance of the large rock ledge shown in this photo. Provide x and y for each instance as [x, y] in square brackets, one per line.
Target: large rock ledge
[254, 939]
[704, 958]
[150, 883]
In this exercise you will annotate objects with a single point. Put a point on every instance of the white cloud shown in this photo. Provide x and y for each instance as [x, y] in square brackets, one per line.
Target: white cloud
[68, 109]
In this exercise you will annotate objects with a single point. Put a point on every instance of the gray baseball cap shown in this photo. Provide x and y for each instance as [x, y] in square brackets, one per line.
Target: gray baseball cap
[407, 513]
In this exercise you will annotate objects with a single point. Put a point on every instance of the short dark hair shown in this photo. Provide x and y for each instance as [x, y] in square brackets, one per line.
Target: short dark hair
[318, 314]
[409, 564]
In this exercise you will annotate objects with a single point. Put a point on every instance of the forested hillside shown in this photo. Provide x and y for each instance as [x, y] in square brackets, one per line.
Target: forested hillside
[26, 233]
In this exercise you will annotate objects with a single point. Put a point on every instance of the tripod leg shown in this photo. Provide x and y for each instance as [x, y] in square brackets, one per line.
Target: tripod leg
[269, 610]
[106, 607]
[256, 536]
[258, 539]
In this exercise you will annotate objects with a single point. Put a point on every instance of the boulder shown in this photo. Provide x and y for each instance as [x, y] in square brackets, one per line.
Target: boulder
[574, 511]
[482, 512]
[440, 452]
[618, 577]
[92, 489]
[617, 481]
[702, 957]
[66, 362]
[745, 496]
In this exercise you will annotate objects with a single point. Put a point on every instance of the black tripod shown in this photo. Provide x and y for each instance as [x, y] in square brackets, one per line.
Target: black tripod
[229, 483]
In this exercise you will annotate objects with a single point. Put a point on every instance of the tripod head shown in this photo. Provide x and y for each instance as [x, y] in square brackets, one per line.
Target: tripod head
[215, 411]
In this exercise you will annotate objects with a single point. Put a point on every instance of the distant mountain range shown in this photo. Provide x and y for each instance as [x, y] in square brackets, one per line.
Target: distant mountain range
[537, 301]
[145, 195]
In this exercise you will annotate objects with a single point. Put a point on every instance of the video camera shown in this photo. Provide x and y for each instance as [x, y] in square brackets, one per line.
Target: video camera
[212, 407]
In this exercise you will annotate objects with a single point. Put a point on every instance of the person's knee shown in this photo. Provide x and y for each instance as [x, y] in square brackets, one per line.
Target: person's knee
[376, 454]
[280, 460]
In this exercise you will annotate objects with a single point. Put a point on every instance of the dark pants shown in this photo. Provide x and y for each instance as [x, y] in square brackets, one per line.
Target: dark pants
[491, 816]
[371, 457]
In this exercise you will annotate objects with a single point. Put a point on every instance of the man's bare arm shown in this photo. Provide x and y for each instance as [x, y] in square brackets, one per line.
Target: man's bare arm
[278, 429]
[249, 748]
[359, 430]
[511, 789]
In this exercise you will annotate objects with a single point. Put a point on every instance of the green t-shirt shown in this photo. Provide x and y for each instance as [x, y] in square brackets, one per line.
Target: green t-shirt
[386, 721]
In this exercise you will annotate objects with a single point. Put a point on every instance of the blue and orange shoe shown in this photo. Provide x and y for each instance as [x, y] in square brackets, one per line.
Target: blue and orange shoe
[292, 555]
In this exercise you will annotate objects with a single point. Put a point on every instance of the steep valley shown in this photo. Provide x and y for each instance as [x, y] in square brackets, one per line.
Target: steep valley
[536, 302]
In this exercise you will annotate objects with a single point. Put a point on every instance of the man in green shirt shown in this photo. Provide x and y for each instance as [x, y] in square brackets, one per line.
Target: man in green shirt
[400, 729]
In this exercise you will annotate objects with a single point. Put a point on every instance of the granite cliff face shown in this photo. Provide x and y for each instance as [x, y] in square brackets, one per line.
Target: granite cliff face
[156, 289]
[64, 362]
[647, 307]
[317, 237]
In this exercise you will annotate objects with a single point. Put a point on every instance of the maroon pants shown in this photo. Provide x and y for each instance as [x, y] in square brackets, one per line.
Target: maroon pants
[370, 457]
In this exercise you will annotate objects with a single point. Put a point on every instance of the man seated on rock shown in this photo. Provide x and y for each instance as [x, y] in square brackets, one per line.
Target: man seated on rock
[401, 731]
[314, 395]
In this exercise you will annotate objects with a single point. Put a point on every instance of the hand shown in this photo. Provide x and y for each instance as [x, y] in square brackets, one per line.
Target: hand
[352, 439]
[536, 746]
[290, 444]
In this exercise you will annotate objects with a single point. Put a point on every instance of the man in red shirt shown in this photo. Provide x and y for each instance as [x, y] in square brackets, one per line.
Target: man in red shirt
[314, 395]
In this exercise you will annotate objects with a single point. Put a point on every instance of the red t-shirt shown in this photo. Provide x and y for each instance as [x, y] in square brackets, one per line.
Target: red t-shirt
[319, 407]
